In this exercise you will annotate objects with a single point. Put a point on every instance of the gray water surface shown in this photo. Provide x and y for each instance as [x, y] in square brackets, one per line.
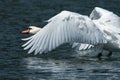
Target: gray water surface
[59, 64]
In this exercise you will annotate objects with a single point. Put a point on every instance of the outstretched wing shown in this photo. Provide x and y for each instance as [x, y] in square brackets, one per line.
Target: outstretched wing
[65, 27]
[106, 20]
[109, 23]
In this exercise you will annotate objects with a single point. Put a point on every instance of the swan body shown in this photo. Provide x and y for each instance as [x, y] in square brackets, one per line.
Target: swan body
[109, 24]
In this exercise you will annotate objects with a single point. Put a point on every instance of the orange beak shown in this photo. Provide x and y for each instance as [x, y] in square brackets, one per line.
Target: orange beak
[25, 31]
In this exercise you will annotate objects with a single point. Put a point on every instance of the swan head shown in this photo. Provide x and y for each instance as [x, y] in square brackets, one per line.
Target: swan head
[31, 30]
[98, 12]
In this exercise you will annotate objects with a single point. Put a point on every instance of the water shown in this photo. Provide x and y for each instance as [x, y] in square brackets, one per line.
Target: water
[16, 64]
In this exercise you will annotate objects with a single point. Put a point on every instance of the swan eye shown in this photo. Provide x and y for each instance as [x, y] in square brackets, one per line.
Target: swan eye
[29, 28]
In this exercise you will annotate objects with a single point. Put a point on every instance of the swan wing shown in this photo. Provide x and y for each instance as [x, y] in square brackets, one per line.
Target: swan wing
[109, 23]
[106, 20]
[65, 27]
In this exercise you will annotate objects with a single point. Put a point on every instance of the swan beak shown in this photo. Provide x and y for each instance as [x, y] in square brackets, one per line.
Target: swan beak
[25, 31]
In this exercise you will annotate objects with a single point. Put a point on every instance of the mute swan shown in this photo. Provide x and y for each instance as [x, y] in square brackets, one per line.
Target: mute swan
[109, 26]
[65, 27]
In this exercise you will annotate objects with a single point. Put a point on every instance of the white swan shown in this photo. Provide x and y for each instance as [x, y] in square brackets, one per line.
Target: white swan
[110, 28]
[101, 16]
[65, 27]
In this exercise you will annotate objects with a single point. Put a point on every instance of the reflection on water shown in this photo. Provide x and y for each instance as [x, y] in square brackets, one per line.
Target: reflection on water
[72, 69]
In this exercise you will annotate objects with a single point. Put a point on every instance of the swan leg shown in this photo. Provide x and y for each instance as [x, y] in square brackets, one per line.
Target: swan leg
[110, 54]
[99, 55]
